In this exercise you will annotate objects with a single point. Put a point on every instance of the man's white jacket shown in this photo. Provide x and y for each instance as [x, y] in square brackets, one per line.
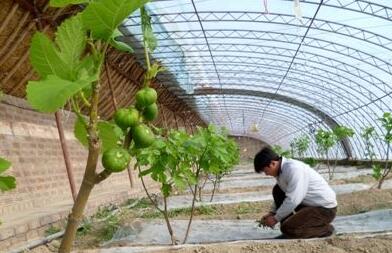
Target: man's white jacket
[302, 185]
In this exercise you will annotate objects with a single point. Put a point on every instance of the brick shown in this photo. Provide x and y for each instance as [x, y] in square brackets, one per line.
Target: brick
[32, 235]
[45, 220]
[5, 244]
[19, 129]
[22, 228]
[18, 241]
[6, 233]
[5, 128]
[33, 224]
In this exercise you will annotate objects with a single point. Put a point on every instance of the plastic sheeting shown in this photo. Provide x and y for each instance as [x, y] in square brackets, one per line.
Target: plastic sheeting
[208, 231]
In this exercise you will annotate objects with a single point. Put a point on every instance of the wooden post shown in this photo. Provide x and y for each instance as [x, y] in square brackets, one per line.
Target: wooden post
[68, 166]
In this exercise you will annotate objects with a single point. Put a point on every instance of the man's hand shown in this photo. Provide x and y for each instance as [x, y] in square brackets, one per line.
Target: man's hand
[267, 220]
[267, 215]
[270, 221]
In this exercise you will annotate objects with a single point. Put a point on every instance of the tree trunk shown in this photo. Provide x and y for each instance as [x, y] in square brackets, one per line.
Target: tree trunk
[89, 178]
[386, 170]
[165, 214]
[213, 190]
[75, 217]
[329, 167]
[192, 209]
[335, 163]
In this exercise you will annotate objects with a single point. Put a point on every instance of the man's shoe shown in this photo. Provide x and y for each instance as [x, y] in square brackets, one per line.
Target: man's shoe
[331, 232]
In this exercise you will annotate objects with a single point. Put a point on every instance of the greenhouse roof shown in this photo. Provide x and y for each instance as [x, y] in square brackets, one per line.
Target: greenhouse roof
[276, 70]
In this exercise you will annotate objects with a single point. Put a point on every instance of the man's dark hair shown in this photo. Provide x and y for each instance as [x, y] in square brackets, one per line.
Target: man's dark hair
[265, 156]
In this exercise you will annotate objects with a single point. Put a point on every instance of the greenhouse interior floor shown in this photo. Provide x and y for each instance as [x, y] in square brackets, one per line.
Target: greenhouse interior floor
[151, 235]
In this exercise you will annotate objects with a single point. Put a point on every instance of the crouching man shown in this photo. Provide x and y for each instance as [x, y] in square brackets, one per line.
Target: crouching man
[304, 203]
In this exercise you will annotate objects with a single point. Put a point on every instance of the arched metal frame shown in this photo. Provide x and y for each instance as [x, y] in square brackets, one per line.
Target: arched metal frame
[339, 69]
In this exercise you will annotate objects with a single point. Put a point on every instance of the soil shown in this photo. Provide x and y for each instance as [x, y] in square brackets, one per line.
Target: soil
[351, 203]
[337, 245]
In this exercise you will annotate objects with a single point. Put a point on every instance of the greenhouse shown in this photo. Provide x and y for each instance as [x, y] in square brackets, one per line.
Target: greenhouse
[195, 126]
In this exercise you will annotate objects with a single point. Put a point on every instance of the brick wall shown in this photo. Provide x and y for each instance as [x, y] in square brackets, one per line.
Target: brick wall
[29, 140]
[248, 147]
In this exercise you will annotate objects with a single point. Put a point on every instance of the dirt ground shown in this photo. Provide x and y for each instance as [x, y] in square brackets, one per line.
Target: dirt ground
[351, 203]
[337, 244]
[342, 244]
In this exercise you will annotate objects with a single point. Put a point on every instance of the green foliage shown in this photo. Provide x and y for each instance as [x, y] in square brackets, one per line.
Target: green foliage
[6, 182]
[103, 212]
[63, 3]
[154, 70]
[367, 134]
[104, 16]
[172, 160]
[4, 165]
[325, 140]
[166, 159]
[300, 144]
[85, 227]
[280, 151]
[310, 161]
[111, 224]
[386, 122]
[122, 46]
[244, 208]
[63, 71]
[52, 230]
[71, 41]
[206, 210]
[219, 153]
[186, 211]
[109, 133]
[62, 58]
[80, 130]
[342, 132]
[377, 171]
[70, 67]
[150, 42]
[52, 93]
[139, 203]
[381, 174]
[45, 58]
